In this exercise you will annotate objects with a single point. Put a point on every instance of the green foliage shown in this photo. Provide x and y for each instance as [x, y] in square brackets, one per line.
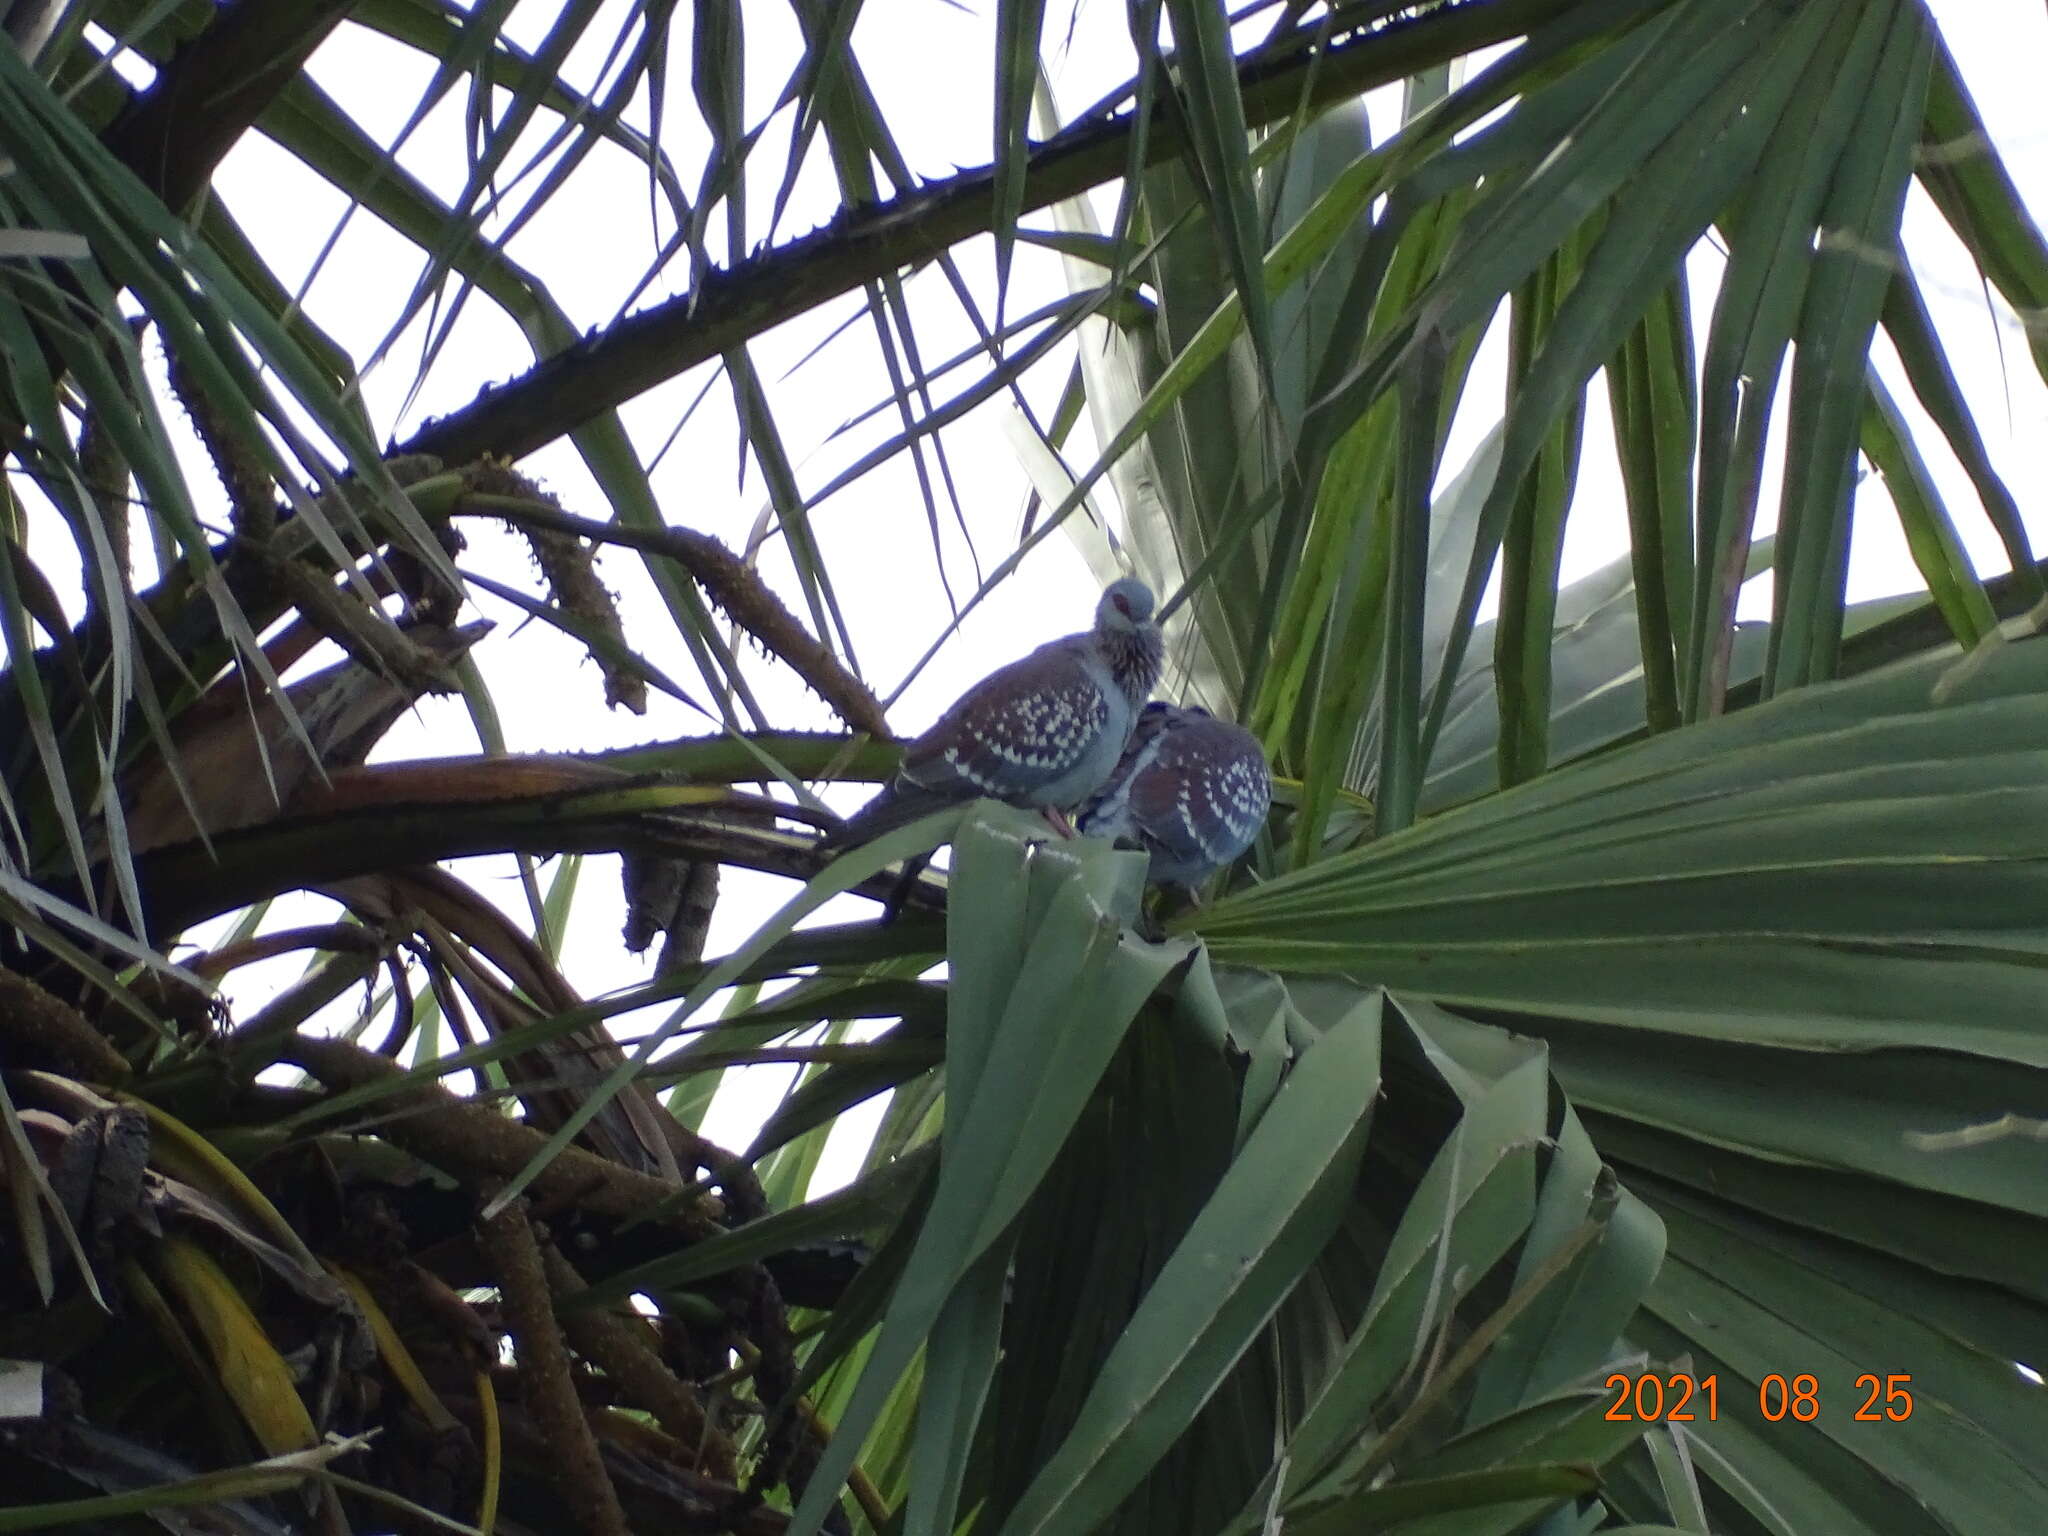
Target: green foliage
[1619, 991]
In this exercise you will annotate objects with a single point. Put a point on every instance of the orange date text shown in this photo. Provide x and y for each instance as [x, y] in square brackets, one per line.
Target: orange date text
[1648, 1398]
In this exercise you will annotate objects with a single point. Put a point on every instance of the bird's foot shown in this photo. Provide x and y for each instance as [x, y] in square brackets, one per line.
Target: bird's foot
[1162, 905]
[1057, 820]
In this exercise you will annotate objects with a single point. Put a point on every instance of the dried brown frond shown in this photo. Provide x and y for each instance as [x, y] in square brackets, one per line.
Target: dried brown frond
[44, 1031]
[732, 584]
[508, 1243]
[568, 565]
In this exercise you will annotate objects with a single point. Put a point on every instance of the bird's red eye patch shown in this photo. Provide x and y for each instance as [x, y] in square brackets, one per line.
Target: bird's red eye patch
[1123, 604]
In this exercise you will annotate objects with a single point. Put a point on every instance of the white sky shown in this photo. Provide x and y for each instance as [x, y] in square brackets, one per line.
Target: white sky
[927, 61]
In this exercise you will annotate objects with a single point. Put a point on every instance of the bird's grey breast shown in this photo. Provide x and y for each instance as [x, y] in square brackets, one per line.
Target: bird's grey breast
[1110, 812]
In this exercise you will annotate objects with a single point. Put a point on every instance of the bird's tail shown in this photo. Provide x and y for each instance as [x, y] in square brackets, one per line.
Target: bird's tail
[890, 809]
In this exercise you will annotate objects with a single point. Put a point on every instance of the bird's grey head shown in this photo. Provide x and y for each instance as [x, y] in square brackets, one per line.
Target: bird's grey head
[1126, 604]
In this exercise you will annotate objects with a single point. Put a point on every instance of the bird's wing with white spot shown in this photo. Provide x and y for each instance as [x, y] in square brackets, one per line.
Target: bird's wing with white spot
[1161, 807]
[1243, 793]
[1018, 728]
[1206, 799]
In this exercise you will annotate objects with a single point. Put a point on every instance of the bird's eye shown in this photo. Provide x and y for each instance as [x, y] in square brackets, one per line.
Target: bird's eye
[1123, 605]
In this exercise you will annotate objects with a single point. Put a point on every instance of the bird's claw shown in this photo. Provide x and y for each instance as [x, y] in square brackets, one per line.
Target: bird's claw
[1057, 820]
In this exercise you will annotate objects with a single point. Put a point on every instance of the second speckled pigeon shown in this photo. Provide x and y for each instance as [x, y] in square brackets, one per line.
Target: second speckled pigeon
[1191, 790]
[1044, 731]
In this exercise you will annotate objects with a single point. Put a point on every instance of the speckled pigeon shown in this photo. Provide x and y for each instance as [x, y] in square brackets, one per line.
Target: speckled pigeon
[1044, 731]
[1191, 790]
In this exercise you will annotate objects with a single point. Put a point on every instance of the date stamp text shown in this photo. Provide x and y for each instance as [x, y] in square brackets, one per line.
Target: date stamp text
[1651, 1398]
